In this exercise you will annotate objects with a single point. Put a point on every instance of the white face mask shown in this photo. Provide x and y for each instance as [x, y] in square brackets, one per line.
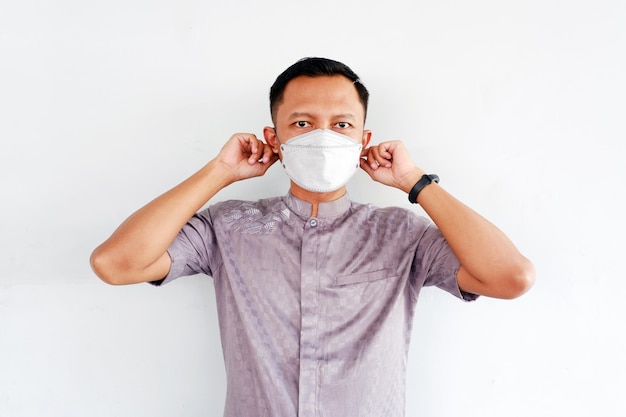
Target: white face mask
[321, 160]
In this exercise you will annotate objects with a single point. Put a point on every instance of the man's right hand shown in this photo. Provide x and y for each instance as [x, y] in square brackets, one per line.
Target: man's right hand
[245, 156]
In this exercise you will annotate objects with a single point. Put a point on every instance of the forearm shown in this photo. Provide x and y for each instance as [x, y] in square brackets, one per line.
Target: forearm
[493, 265]
[136, 251]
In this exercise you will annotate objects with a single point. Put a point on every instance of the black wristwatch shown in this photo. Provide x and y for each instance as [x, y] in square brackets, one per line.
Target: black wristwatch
[419, 186]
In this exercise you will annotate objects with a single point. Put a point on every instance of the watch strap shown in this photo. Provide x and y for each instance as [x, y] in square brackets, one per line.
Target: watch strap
[419, 186]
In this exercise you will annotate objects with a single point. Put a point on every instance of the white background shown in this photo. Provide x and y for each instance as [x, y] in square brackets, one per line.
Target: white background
[518, 105]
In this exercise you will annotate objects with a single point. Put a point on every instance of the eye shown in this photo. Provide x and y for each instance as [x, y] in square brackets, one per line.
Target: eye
[302, 123]
[343, 125]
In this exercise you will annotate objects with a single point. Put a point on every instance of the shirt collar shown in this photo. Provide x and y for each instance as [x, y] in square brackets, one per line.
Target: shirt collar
[327, 209]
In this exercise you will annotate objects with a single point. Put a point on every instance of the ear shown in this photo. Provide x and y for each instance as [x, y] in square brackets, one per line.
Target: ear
[367, 136]
[269, 133]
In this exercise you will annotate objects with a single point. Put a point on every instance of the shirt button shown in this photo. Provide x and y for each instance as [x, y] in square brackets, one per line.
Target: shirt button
[313, 222]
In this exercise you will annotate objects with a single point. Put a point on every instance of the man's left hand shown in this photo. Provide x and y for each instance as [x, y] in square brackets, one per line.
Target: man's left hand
[389, 163]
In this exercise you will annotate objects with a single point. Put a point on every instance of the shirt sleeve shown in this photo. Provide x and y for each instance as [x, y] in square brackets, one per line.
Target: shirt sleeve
[436, 265]
[193, 249]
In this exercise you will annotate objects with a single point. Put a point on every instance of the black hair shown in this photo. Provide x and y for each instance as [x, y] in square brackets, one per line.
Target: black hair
[315, 67]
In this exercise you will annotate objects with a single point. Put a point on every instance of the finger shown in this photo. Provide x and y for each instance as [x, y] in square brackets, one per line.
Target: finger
[378, 159]
[247, 143]
[365, 166]
[267, 154]
[270, 162]
[372, 155]
[265, 163]
[366, 157]
[383, 154]
[255, 149]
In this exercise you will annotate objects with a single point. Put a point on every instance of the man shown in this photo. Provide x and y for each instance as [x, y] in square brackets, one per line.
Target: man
[315, 293]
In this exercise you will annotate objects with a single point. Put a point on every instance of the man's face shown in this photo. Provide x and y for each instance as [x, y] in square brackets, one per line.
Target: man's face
[323, 102]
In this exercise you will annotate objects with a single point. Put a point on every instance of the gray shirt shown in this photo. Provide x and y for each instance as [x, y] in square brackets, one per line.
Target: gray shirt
[315, 314]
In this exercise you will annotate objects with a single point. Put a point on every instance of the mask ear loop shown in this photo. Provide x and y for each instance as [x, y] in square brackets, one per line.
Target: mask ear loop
[280, 145]
[277, 139]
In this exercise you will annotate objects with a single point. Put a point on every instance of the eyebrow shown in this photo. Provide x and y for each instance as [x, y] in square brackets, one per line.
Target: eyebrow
[309, 115]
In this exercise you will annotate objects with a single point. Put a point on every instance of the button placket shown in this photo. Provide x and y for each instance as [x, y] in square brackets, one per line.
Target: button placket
[309, 320]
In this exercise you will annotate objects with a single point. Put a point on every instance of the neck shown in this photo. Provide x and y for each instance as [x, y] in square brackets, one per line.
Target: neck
[315, 198]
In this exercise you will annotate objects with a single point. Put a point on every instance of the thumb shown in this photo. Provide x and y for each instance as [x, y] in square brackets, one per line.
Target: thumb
[365, 166]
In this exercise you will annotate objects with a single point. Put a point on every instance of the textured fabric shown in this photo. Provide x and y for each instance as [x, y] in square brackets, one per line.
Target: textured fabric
[315, 313]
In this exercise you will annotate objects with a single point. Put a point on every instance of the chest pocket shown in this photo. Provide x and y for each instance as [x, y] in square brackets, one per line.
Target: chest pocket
[362, 277]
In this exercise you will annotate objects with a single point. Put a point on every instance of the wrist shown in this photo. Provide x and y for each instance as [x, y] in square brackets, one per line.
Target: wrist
[219, 173]
[423, 182]
[410, 180]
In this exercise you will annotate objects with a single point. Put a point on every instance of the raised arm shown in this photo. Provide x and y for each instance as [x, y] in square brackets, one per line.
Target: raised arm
[491, 265]
[137, 250]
